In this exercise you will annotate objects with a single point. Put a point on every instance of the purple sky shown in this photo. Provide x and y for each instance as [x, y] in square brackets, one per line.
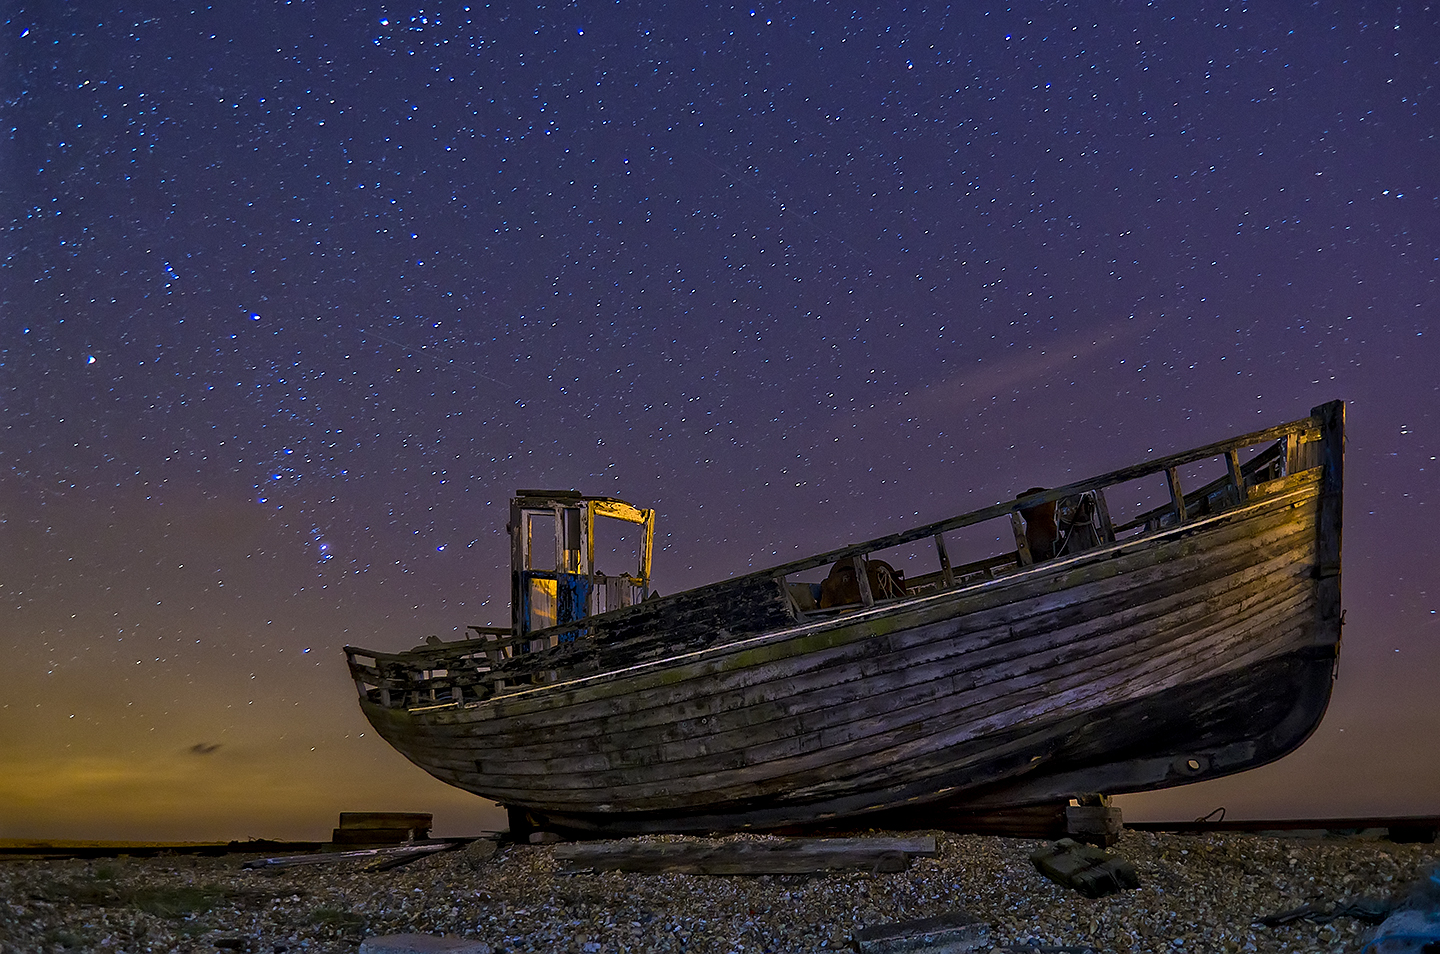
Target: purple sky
[293, 299]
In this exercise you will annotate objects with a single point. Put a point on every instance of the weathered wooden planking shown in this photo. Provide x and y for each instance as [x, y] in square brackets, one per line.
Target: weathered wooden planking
[763, 663]
[825, 773]
[786, 856]
[857, 706]
[979, 764]
[973, 761]
[552, 700]
[552, 780]
[591, 700]
[953, 933]
[873, 705]
[711, 783]
[732, 710]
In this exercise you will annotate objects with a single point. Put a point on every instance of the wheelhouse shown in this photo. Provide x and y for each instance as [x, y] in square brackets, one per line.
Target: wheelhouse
[557, 538]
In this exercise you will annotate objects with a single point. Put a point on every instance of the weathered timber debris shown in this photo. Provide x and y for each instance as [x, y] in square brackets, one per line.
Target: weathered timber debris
[782, 856]
[1369, 910]
[330, 857]
[423, 944]
[381, 828]
[1045, 821]
[1403, 830]
[951, 933]
[1094, 824]
[1094, 821]
[1087, 869]
[401, 860]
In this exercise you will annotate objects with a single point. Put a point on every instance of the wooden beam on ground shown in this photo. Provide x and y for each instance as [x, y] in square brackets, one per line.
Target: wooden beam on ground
[783, 856]
[329, 857]
[951, 933]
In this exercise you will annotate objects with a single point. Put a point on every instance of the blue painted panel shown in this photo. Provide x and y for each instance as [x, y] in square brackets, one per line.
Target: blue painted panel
[572, 597]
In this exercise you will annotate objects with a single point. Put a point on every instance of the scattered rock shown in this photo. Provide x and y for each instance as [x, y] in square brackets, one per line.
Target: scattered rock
[1411, 931]
[1203, 890]
[479, 853]
[1414, 928]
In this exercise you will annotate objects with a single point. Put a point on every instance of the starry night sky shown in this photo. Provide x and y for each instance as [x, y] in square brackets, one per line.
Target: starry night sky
[294, 297]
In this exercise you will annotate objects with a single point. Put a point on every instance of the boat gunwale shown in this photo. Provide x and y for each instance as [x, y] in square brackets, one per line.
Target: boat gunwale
[1299, 484]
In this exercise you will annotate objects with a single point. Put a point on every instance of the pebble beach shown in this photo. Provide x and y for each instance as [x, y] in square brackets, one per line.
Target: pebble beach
[1200, 893]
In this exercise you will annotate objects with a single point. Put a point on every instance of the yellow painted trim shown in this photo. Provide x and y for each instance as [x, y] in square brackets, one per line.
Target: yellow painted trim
[621, 510]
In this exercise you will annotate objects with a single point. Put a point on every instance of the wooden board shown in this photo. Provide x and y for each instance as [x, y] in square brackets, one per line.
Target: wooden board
[781, 856]
[421, 820]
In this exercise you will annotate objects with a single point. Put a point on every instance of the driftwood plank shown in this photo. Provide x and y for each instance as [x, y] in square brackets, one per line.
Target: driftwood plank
[330, 857]
[363, 820]
[788, 856]
[951, 933]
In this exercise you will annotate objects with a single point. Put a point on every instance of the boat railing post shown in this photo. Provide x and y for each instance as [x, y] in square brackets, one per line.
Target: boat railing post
[947, 572]
[1237, 479]
[1177, 496]
[1107, 526]
[862, 578]
[1022, 546]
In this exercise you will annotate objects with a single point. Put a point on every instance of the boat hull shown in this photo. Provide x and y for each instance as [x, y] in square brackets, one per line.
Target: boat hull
[1196, 651]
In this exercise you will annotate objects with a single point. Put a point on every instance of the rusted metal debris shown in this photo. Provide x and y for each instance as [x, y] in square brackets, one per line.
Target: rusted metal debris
[1087, 869]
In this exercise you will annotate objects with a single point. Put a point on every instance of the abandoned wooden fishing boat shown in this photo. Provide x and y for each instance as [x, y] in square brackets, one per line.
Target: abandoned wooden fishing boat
[1193, 634]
